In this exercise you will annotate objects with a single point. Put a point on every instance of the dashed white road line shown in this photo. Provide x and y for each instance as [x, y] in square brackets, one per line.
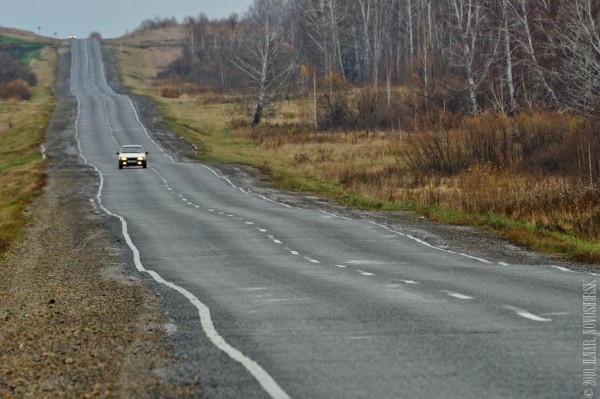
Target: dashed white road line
[410, 282]
[525, 314]
[456, 295]
[362, 272]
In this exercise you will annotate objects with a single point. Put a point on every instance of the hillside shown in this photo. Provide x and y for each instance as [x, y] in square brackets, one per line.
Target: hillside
[27, 36]
[168, 36]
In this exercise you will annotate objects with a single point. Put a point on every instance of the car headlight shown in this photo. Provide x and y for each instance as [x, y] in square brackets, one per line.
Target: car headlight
[123, 158]
[140, 158]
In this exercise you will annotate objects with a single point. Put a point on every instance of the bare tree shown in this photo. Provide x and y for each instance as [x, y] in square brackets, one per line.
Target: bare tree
[322, 20]
[579, 43]
[475, 50]
[380, 37]
[522, 10]
[363, 10]
[508, 56]
[264, 56]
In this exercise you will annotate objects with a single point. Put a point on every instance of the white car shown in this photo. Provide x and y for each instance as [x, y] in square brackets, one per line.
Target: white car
[132, 155]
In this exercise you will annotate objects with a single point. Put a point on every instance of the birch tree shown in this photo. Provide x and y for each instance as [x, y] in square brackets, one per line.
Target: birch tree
[380, 33]
[508, 56]
[264, 56]
[526, 40]
[475, 50]
[322, 20]
[579, 43]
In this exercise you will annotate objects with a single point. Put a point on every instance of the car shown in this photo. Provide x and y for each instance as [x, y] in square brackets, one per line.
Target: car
[132, 155]
[72, 37]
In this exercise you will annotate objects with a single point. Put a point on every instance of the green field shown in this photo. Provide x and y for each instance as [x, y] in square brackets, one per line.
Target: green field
[21, 50]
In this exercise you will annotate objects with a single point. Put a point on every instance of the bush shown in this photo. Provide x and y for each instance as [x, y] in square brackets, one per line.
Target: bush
[531, 142]
[373, 111]
[335, 110]
[15, 90]
[170, 91]
[95, 35]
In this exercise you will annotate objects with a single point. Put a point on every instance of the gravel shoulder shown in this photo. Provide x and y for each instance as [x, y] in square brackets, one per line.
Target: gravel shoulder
[74, 322]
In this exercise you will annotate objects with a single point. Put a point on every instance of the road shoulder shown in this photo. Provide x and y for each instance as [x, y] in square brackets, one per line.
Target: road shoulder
[74, 323]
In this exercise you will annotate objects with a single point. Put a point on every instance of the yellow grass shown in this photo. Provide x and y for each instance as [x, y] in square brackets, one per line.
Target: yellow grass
[21, 165]
[140, 66]
[172, 35]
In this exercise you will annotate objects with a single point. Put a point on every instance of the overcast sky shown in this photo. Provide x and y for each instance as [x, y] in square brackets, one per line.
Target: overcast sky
[112, 18]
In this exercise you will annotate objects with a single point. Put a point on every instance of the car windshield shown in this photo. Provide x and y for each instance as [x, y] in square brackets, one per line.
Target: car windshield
[132, 148]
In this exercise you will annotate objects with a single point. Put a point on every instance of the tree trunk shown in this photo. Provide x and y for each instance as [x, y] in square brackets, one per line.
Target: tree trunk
[512, 102]
[257, 114]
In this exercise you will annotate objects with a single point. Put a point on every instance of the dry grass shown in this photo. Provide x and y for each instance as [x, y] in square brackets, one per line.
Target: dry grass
[172, 35]
[26, 36]
[21, 166]
[142, 66]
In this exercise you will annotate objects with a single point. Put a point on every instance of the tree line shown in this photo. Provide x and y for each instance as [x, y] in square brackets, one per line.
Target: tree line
[461, 56]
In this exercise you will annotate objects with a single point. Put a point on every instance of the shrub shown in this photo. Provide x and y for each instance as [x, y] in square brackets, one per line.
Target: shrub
[531, 142]
[335, 108]
[15, 90]
[95, 35]
[373, 111]
[170, 91]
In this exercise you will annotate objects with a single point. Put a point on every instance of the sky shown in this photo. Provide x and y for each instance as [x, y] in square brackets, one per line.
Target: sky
[112, 18]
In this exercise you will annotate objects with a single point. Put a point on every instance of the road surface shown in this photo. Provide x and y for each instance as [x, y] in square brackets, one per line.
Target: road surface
[267, 300]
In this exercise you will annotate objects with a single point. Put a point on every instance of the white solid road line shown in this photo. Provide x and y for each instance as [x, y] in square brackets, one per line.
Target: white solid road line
[422, 242]
[564, 269]
[525, 314]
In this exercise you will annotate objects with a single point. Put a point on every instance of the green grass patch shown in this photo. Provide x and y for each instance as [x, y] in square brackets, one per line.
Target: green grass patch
[521, 232]
[21, 50]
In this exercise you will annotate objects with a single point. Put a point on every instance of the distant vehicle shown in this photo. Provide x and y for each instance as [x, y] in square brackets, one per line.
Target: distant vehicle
[72, 37]
[132, 155]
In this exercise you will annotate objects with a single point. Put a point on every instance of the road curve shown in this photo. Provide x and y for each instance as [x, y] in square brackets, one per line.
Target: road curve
[267, 300]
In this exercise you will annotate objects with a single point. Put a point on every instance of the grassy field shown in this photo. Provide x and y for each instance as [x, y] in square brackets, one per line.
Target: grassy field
[22, 50]
[369, 169]
[22, 170]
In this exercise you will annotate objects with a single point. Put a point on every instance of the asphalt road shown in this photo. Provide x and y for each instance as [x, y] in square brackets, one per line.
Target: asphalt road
[268, 300]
